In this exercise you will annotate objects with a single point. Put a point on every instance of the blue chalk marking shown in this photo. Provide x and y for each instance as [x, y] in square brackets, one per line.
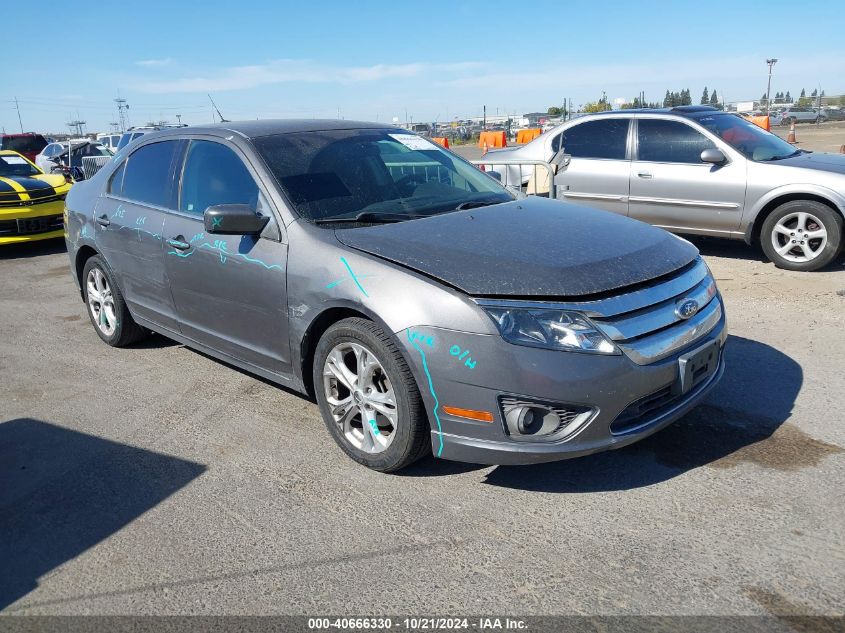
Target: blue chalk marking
[118, 213]
[431, 389]
[374, 426]
[258, 261]
[354, 278]
[215, 222]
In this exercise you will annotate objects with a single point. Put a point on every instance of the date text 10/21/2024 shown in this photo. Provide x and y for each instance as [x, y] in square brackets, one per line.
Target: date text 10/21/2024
[418, 623]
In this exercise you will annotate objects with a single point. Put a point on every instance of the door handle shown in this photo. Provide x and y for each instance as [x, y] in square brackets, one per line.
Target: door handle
[178, 244]
[103, 220]
[645, 174]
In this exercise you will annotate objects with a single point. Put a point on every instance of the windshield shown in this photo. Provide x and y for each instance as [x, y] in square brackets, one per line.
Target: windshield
[11, 165]
[368, 174]
[746, 137]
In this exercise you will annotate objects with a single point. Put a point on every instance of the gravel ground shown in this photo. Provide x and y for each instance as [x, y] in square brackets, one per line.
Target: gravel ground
[155, 480]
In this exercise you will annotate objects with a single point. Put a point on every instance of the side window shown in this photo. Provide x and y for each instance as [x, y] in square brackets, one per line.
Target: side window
[213, 175]
[556, 143]
[148, 174]
[602, 138]
[116, 180]
[664, 141]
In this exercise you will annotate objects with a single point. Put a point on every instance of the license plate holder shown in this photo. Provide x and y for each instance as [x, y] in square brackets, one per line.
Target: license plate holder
[698, 365]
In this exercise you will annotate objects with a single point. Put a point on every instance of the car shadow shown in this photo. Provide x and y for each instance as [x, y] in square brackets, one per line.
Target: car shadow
[738, 249]
[62, 492]
[33, 249]
[734, 423]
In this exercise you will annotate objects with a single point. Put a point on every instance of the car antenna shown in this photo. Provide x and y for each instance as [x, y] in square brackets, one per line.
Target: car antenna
[214, 105]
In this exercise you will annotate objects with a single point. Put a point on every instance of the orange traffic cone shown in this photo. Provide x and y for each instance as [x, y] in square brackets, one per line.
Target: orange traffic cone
[790, 138]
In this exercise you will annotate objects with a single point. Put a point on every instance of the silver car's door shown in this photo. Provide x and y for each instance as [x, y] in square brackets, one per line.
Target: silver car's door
[671, 187]
[229, 290]
[599, 165]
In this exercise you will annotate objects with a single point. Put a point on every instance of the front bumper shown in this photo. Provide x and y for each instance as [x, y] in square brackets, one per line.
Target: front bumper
[608, 384]
[31, 222]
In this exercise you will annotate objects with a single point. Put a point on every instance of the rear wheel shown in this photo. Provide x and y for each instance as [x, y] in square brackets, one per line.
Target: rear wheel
[106, 307]
[802, 235]
[368, 397]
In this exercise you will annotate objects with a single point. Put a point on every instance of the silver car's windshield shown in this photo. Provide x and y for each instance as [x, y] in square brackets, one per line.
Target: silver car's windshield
[373, 175]
[746, 137]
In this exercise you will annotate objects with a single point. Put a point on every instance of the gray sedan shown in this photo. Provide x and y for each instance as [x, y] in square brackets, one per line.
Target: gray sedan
[696, 170]
[421, 305]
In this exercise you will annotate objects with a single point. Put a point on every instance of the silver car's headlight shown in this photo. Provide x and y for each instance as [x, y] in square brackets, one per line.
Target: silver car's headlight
[552, 329]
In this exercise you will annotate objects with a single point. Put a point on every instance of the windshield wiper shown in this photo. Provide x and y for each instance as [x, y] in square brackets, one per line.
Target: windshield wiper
[473, 204]
[795, 153]
[367, 217]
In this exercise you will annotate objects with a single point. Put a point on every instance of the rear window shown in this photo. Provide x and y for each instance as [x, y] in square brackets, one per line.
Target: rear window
[29, 143]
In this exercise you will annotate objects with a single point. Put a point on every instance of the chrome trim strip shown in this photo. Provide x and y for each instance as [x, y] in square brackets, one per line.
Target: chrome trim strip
[685, 203]
[664, 343]
[593, 196]
[658, 316]
[620, 304]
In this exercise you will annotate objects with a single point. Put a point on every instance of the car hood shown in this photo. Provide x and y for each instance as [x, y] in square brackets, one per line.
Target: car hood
[41, 184]
[528, 248]
[817, 160]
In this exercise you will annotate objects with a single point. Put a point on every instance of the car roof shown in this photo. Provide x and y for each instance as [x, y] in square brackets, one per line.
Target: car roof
[269, 127]
[688, 111]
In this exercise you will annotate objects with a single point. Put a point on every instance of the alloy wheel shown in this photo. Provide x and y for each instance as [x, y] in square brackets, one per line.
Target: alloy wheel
[101, 301]
[360, 397]
[799, 237]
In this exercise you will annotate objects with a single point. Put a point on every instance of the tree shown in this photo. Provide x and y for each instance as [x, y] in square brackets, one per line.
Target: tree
[667, 100]
[599, 106]
[803, 93]
[788, 97]
[705, 97]
[815, 93]
[714, 100]
[686, 99]
[763, 99]
[553, 111]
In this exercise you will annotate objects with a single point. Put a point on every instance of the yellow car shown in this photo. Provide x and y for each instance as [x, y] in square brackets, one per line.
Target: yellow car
[31, 202]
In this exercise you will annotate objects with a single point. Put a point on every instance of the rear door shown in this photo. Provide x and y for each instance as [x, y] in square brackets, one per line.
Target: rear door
[599, 168]
[671, 187]
[229, 290]
[129, 223]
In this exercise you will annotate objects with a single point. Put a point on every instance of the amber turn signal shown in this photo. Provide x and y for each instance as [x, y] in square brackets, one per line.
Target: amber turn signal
[481, 416]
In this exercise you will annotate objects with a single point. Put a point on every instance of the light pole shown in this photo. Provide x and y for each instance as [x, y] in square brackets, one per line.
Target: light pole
[771, 62]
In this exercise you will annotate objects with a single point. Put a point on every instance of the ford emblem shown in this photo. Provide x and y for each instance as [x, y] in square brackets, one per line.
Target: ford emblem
[686, 308]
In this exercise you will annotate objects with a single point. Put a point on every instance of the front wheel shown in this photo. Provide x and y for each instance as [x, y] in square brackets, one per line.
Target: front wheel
[802, 235]
[368, 397]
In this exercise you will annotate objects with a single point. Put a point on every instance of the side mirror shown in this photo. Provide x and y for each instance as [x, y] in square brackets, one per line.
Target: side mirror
[233, 219]
[714, 156]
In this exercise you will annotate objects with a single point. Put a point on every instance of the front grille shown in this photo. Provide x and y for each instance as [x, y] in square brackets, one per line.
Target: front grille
[28, 226]
[650, 406]
[647, 324]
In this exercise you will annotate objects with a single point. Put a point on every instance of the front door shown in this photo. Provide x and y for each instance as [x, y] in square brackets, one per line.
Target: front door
[599, 169]
[129, 223]
[671, 187]
[229, 290]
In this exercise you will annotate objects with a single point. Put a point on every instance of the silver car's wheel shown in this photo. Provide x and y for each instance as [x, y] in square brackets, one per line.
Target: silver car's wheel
[799, 237]
[360, 397]
[101, 301]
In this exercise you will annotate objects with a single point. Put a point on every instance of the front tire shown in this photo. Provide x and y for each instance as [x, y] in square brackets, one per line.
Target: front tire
[802, 235]
[368, 397]
[106, 307]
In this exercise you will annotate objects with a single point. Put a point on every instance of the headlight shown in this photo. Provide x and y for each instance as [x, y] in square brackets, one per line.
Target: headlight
[552, 329]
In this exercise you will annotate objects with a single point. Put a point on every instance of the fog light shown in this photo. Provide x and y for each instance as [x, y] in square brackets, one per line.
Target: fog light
[536, 421]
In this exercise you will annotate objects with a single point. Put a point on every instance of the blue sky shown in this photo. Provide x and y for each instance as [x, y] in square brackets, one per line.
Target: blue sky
[376, 60]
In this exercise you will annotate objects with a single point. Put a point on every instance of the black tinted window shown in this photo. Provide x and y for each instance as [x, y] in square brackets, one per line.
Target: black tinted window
[670, 142]
[213, 175]
[147, 178]
[605, 138]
